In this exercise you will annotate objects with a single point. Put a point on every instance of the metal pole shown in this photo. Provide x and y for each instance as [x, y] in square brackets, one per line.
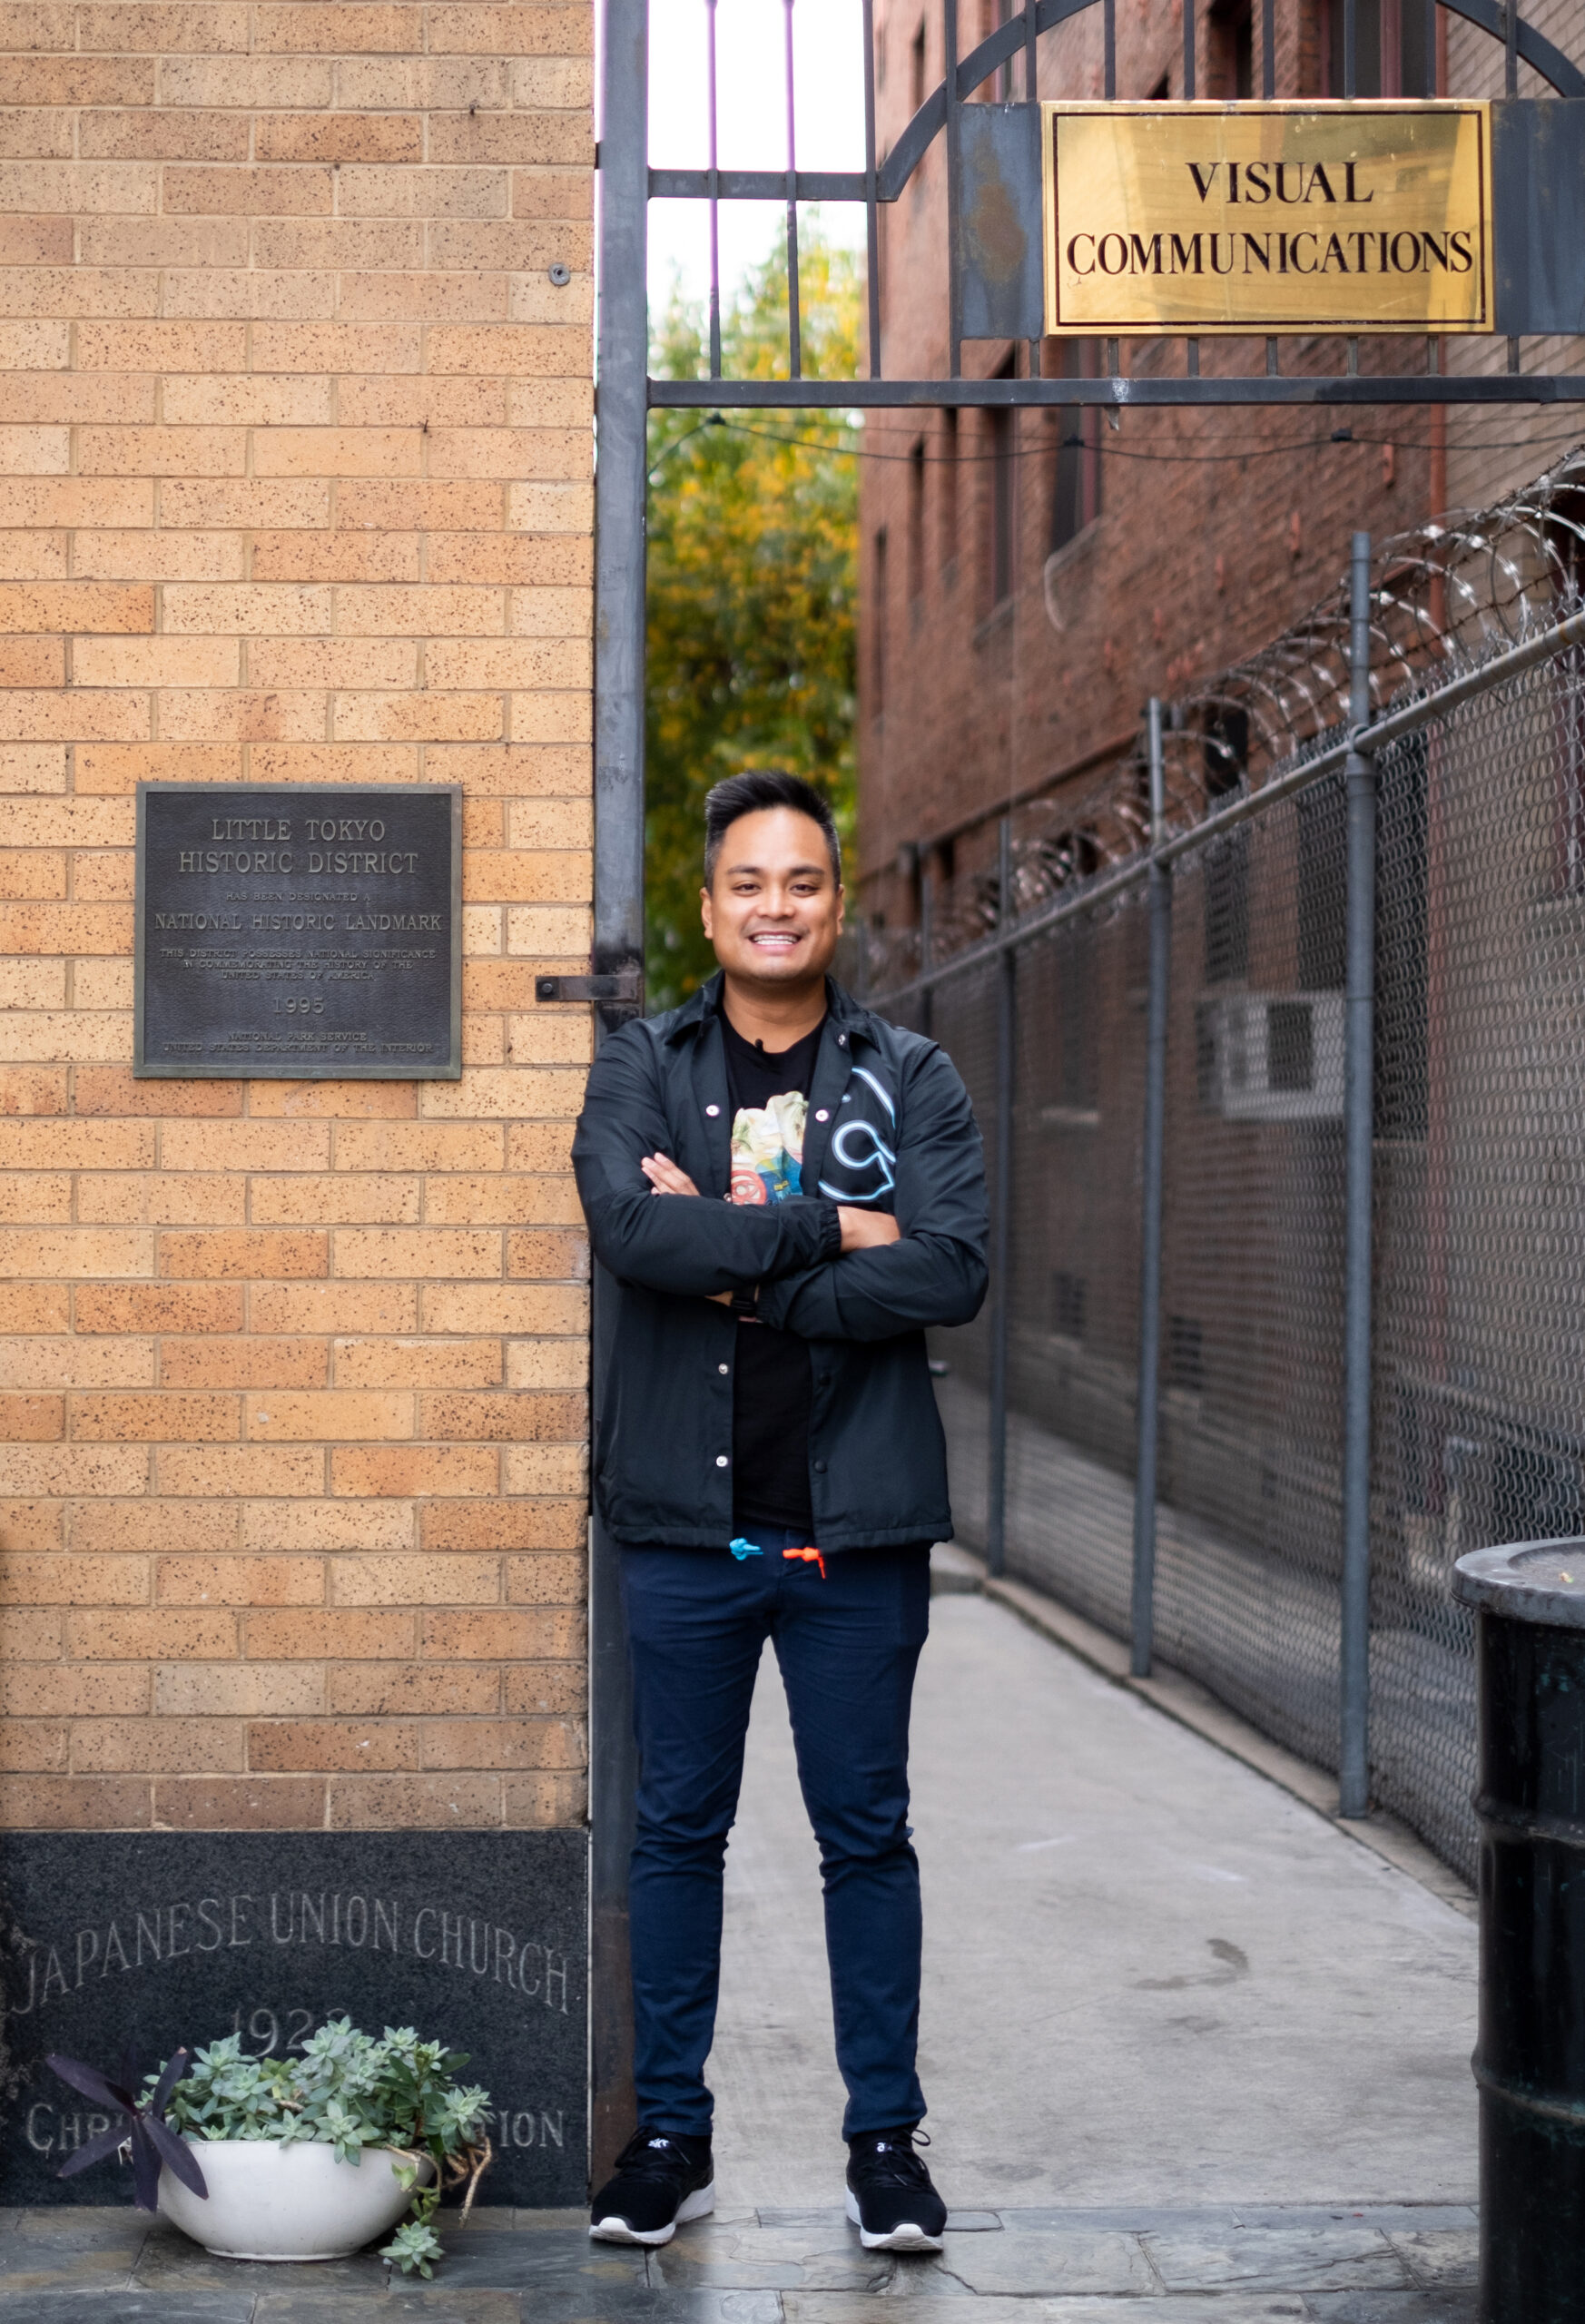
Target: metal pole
[1149, 1390]
[1001, 1219]
[619, 501]
[954, 137]
[1354, 1755]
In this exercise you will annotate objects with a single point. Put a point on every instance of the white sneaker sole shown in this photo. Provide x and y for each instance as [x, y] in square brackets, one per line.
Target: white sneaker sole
[617, 2230]
[903, 2237]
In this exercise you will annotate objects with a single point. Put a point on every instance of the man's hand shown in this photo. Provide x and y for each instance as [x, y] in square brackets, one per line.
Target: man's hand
[867, 1230]
[665, 1177]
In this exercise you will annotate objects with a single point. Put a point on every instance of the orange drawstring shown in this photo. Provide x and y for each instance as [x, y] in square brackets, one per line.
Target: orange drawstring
[806, 1555]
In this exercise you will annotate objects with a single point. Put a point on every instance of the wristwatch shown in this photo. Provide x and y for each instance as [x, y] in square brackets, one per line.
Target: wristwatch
[746, 1305]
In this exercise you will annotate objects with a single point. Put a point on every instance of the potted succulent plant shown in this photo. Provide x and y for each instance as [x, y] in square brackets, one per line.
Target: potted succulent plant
[298, 2158]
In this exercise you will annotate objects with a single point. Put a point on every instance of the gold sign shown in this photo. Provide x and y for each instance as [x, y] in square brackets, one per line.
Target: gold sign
[1264, 218]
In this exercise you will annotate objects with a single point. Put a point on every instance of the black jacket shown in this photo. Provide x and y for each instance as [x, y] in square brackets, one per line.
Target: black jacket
[889, 1125]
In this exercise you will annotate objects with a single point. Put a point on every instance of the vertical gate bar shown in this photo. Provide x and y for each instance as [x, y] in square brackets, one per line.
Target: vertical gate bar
[619, 508]
[1431, 89]
[1191, 346]
[1350, 47]
[1269, 90]
[872, 198]
[1036, 129]
[927, 941]
[1354, 1675]
[1007, 968]
[954, 266]
[1510, 49]
[1109, 49]
[710, 8]
[795, 335]
[1149, 1384]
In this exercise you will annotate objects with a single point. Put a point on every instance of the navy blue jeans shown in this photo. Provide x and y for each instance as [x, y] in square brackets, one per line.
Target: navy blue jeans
[848, 1644]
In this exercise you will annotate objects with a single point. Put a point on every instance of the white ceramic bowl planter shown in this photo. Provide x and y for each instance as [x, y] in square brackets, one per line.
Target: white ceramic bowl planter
[271, 2201]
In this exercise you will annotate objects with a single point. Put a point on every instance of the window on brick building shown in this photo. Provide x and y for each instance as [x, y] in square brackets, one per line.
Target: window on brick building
[916, 522]
[949, 497]
[878, 614]
[1395, 49]
[1076, 484]
[1231, 62]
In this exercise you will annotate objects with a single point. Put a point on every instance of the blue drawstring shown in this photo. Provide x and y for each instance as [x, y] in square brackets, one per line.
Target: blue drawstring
[741, 1548]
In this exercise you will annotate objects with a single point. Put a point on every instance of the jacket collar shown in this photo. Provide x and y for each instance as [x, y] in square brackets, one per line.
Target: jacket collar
[842, 1009]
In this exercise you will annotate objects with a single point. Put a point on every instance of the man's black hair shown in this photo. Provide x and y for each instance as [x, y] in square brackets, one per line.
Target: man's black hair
[748, 794]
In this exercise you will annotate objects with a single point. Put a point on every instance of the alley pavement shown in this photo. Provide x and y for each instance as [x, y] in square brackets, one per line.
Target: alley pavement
[1192, 2053]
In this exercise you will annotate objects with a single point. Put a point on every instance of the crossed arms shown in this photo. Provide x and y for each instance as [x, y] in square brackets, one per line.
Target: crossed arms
[825, 1270]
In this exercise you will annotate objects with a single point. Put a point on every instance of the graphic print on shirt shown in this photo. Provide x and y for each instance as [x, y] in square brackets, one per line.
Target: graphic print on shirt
[767, 1149]
[857, 1147]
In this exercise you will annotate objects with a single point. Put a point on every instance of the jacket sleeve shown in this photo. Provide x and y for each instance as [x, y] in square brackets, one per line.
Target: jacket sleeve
[684, 1243]
[936, 1273]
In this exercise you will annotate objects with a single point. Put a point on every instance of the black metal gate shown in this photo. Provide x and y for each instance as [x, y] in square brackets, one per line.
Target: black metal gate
[625, 394]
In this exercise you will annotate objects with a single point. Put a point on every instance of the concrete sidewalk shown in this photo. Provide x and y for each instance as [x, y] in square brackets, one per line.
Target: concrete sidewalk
[1151, 1977]
[1192, 2054]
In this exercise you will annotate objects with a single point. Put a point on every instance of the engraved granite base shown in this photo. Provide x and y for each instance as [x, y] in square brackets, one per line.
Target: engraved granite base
[155, 1939]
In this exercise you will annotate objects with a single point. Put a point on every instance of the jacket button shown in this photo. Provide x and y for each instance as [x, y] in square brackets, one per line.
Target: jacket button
[820, 1468]
[823, 1379]
[713, 1111]
[821, 1115]
[724, 1367]
[721, 1460]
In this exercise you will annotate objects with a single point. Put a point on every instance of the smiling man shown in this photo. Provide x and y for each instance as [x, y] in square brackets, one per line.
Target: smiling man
[786, 1191]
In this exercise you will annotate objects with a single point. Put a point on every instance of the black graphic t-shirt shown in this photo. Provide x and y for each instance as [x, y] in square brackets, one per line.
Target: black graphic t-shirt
[772, 1391]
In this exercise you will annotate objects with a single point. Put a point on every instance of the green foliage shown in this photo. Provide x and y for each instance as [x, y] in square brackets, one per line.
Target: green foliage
[348, 2091]
[752, 584]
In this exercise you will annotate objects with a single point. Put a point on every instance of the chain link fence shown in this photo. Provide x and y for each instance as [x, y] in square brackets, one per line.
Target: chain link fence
[1478, 1175]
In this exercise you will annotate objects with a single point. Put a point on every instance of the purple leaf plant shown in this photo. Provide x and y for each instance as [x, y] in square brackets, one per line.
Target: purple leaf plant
[144, 2129]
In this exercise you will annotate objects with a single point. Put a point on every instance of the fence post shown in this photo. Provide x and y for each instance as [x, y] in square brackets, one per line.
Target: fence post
[1354, 1675]
[1149, 1387]
[1000, 1207]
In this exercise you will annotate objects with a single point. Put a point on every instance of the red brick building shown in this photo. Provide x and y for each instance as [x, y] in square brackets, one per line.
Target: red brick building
[1029, 578]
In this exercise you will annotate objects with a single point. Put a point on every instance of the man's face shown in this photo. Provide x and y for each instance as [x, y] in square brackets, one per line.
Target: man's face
[774, 911]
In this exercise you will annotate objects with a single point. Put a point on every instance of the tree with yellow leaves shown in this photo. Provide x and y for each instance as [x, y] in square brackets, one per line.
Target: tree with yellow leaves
[752, 584]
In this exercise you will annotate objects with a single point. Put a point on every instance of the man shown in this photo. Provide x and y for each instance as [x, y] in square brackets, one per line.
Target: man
[786, 1191]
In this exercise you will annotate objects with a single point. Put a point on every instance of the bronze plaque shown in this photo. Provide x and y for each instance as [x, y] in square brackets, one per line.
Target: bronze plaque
[300, 934]
[1299, 216]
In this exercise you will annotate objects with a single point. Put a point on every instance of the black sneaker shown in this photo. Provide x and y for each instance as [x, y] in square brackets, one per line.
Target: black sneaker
[891, 2200]
[659, 2184]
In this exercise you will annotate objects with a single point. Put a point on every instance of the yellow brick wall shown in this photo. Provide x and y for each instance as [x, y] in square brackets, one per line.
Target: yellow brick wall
[294, 486]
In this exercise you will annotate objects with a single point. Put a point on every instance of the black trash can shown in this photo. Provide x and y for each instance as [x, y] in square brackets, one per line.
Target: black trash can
[1530, 1797]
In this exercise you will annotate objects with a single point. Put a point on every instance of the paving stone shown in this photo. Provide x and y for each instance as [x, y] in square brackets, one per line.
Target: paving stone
[825, 2257]
[122, 2307]
[569, 2275]
[1275, 2260]
[1183, 2308]
[1440, 2256]
[974, 2222]
[434, 2304]
[1456, 2305]
[1388, 2218]
[170, 2262]
[27, 2266]
[1078, 2261]
[1128, 2219]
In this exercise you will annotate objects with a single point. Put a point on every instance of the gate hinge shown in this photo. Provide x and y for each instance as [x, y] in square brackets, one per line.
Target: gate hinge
[626, 984]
